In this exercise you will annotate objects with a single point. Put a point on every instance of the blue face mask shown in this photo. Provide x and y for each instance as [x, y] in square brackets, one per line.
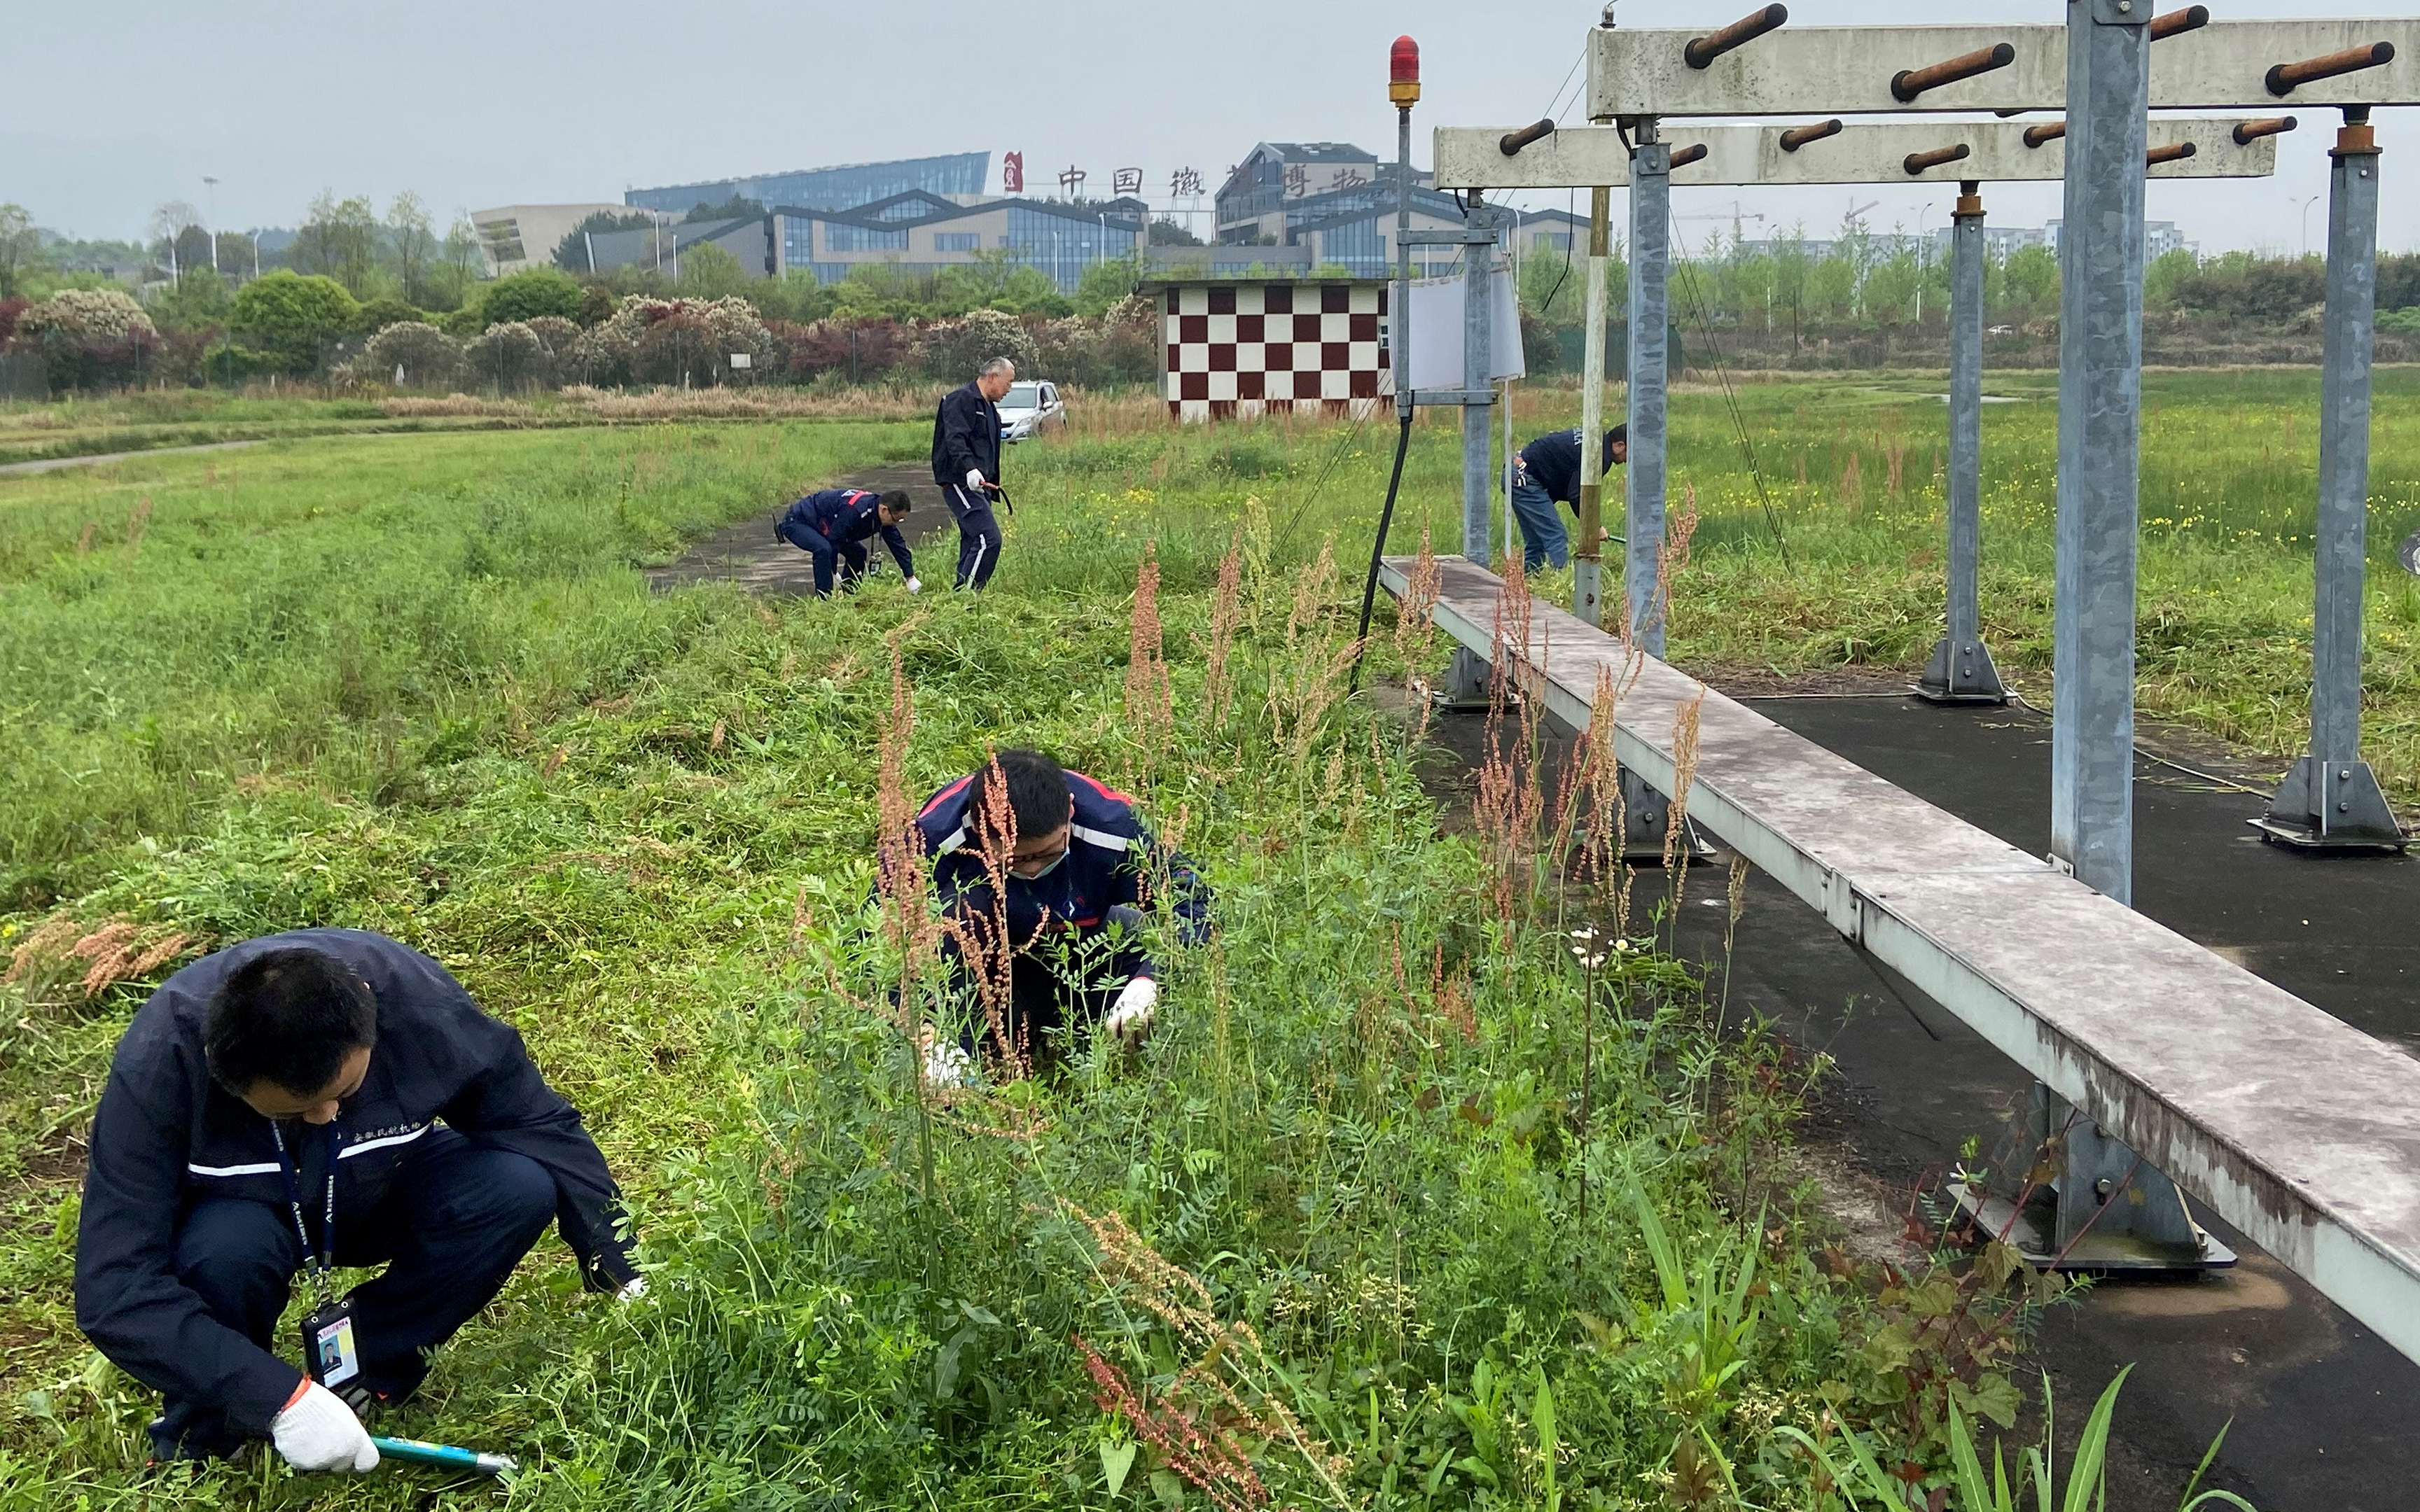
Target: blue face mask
[1049, 867]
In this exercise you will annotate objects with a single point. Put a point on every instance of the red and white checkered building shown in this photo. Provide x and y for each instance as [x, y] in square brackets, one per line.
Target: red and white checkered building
[1240, 349]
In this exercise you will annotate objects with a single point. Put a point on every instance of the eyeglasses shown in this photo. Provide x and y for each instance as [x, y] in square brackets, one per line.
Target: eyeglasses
[1029, 868]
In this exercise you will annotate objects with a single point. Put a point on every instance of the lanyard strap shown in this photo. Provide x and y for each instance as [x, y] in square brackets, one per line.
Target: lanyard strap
[322, 1259]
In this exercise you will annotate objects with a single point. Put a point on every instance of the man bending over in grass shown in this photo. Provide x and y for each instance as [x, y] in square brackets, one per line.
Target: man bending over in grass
[277, 1107]
[1043, 876]
[834, 525]
[1548, 471]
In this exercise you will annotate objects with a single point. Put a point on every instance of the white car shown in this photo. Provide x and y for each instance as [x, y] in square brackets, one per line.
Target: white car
[1029, 406]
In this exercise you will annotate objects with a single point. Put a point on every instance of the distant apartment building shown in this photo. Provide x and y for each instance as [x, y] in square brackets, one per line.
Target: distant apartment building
[840, 188]
[514, 237]
[2158, 239]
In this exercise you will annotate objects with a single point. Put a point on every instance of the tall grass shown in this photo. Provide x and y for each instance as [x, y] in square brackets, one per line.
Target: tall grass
[1323, 1241]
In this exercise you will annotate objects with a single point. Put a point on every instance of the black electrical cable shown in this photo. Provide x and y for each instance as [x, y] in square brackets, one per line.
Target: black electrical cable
[1378, 551]
[1730, 401]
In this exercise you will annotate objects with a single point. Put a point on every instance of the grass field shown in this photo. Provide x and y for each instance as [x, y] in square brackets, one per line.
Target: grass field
[417, 685]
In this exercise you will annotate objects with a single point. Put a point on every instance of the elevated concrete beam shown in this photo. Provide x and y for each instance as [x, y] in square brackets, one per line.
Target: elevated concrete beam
[1845, 70]
[2299, 1129]
[1584, 157]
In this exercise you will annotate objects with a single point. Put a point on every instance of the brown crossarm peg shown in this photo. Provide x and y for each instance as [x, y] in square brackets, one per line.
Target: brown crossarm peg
[1908, 83]
[1798, 136]
[2247, 132]
[2048, 131]
[2192, 18]
[1915, 163]
[2285, 77]
[1702, 51]
[2171, 152]
[1689, 154]
[1511, 143]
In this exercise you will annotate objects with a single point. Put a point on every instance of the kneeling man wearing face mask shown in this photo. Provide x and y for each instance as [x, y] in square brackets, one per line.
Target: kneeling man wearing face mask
[1054, 870]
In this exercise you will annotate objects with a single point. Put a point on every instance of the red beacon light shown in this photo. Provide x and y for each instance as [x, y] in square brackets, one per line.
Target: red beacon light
[1404, 73]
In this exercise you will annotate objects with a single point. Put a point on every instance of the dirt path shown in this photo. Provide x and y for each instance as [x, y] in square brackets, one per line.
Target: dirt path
[51, 464]
[748, 553]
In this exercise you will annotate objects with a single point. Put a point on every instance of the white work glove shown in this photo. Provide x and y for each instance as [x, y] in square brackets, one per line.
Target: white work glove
[632, 1289]
[974, 479]
[915, 585]
[318, 1431]
[1130, 1016]
[946, 1062]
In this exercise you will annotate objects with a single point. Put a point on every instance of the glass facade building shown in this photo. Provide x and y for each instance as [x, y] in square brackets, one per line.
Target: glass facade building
[827, 189]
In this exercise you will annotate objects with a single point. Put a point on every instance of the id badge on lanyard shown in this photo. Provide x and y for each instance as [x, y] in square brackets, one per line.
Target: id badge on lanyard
[329, 1352]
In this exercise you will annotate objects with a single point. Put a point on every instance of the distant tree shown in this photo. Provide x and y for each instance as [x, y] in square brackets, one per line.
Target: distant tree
[1105, 284]
[708, 271]
[526, 295]
[294, 318]
[412, 233]
[339, 241]
[509, 356]
[426, 357]
[376, 314]
[730, 209]
[21, 250]
[2030, 280]
[1170, 234]
[2399, 281]
[89, 338]
[458, 267]
[171, 245]
[2244, 286]
[199, 301]
[571, 252]
[797, 296]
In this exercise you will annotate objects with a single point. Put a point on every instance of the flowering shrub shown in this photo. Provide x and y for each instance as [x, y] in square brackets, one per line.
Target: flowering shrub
[855, 350]
[88, 337]
[510, 357]
[11, 309]
[1121, 347]
[426, 357]
[675, 341]
[951, 350]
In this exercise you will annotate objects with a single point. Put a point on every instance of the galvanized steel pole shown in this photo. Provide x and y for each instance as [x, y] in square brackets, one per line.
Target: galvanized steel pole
[1587, 554]
[1961, 670]
[1650, 191]
[1478, 262]
[2099, 422]
[1399, 320]
[2332, 797]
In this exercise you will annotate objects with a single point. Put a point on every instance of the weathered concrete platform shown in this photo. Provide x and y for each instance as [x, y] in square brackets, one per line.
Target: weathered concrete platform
[2299, 1131]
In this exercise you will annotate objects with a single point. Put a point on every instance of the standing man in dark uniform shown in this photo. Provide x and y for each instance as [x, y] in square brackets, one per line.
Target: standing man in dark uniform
[1546, 472]
[319, 1098]
[965, 466]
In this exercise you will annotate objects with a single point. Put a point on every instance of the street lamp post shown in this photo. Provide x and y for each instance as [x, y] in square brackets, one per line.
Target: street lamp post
[2306, 221]
[212, 198]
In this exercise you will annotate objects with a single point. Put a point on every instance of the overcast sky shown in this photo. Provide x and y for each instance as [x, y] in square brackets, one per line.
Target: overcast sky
[108, 112]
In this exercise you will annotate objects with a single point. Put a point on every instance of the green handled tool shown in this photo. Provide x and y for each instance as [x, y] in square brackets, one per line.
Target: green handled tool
[446, 1454]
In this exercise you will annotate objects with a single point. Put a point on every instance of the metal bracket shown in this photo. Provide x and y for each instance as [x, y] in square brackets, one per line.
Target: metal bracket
[2331, 805]
[1460, 236]
[2121, 12]
[1961, 673]
[1453, 396]
[1644, 815]
[2105, 1208]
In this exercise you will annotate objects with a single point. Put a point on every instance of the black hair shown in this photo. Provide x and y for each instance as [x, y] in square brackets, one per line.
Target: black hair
[896, 500]
[289, 1017]
[1619, 434]
[1037, 790]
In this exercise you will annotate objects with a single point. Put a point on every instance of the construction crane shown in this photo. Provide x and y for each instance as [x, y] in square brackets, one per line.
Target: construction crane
[1735, 217]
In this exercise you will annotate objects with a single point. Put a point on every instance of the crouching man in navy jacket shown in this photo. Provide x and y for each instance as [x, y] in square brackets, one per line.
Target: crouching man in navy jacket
[834, 525]
[1065, 867]
[315, 1097]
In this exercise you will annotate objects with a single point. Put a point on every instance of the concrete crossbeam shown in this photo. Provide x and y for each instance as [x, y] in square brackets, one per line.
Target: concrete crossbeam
[1584, 157]
[1843, 71]
[2299, 1129]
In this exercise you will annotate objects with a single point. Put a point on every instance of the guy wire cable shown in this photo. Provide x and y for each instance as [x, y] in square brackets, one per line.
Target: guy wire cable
[1730, 400]
[1377, 553]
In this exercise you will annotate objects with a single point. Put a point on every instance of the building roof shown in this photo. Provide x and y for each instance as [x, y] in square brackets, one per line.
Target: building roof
[1317, 152]
[793, 172]
[1344, 206]
[921, 209]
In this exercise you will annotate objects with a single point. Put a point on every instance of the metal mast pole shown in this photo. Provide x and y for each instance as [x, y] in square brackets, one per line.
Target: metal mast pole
[2100, 436]
[1587, 556]
[1651, 193]
[1479, 261]
[2332, 797]
[1399, 320]
[1961, 670]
